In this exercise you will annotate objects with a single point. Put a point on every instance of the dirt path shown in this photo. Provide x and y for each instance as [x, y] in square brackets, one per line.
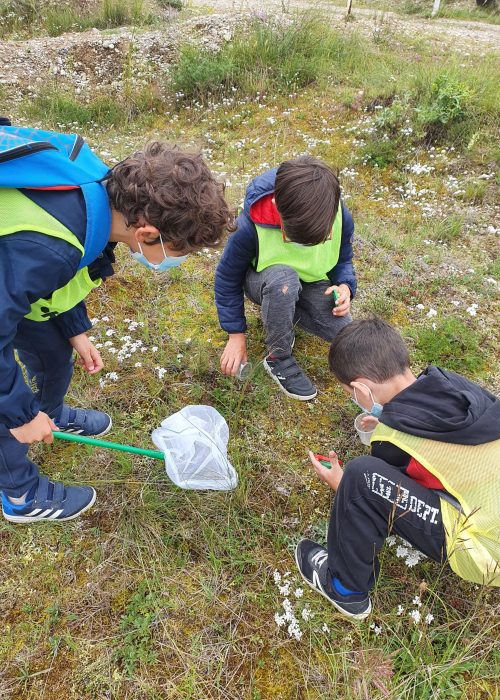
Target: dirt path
[448, 30]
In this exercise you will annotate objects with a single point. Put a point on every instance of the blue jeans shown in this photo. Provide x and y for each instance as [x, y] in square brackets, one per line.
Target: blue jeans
[48, 358]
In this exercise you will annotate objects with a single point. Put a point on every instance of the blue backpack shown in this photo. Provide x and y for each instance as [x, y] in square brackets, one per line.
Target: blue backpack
[35, 159]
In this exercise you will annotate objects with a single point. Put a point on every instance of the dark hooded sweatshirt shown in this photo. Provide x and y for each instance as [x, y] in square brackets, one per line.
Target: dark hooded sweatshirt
[441, 406]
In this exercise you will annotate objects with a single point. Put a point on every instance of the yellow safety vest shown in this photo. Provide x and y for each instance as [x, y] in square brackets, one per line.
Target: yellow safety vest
[311, 262]
[470, 474]
[20, 213]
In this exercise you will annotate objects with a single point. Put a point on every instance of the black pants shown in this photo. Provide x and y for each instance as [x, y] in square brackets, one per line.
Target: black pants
[375, 500]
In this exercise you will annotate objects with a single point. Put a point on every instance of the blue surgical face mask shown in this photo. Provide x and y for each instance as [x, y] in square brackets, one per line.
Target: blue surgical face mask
[168, 262]
[376, 408]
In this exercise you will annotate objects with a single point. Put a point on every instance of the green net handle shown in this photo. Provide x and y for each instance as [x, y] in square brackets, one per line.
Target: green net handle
[95, 442]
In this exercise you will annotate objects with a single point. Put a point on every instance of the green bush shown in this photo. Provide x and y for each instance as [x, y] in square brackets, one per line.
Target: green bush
[447, 105]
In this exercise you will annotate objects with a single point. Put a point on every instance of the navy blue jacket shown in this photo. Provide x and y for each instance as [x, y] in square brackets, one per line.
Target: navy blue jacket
[242, 248]
[33, 266]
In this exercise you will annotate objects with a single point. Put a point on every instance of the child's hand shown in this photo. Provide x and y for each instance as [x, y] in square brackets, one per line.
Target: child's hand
[37, 430]
[234, 354]
[369, 423]
[343, 304]
[331, 476]
[90, 357]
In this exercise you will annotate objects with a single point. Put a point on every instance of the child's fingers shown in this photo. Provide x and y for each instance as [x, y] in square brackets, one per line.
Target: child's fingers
[334, 460]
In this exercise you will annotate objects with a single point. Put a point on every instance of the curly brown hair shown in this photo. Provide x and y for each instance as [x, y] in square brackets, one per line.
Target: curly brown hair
[173, 191]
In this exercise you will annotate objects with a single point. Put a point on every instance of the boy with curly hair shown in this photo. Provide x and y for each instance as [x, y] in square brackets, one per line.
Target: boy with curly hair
[164, 205]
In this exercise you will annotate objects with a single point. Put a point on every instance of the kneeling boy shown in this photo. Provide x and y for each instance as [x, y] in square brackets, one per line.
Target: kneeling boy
[433, 432]
[292, 250]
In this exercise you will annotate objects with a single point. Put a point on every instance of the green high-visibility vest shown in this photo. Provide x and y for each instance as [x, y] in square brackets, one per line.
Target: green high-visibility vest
[20, 213]
[311, 263]
[470, 474]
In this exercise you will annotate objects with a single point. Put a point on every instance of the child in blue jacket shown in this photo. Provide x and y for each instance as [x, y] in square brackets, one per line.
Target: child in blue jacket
[292, 255]
[163, 205]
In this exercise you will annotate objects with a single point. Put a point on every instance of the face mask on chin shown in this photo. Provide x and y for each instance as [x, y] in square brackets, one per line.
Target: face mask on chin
[376, 408]
[166, 264]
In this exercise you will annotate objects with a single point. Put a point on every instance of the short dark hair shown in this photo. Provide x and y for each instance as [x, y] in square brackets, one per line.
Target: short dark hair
[307, 195]
[369, 348]
[173, 191]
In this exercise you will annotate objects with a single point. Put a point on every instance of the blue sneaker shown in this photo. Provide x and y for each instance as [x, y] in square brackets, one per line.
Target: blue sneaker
[50, 500]
[84, 421]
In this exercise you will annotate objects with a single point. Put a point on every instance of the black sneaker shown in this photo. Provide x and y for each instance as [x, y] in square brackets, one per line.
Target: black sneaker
[312, 560]
[290, 378]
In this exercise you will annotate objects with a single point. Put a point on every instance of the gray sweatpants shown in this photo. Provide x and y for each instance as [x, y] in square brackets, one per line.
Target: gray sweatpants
[285, 301]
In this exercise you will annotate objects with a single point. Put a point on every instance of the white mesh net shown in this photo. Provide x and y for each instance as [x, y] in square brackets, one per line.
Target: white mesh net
[194, 441]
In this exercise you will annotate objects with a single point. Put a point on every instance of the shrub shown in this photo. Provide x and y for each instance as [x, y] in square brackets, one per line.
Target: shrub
[446, 105]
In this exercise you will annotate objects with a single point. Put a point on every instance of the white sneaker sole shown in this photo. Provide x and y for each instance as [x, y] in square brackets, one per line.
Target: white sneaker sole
[352, 616]
[288, 393]
[27, 519]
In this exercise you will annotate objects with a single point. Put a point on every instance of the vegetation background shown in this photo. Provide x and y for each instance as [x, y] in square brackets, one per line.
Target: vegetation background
[163, 594]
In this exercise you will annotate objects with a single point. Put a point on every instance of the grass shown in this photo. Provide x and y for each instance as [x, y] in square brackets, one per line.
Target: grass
[163, 594]
[27, 17]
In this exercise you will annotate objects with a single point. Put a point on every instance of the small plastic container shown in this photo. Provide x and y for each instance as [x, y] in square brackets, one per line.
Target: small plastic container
[364, 435]
[244, 371]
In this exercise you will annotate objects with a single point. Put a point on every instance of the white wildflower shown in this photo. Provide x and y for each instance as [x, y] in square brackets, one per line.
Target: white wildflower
[429, 618]
[285, 589]
[325, 628]
[417, 601]
[279, 619]
[421, 307]
[299, 592]
[294, 630]
[431, 313]
[105, 318]
[376, 629]
[276, 577]
[400, 610]
[415, 615]
[306, 613]
[471, 310]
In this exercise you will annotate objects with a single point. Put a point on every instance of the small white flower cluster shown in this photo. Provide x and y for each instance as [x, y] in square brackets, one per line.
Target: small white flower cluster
[110, 376]
[471, 310]
[377, 629]
[289, 616]
[405, 551]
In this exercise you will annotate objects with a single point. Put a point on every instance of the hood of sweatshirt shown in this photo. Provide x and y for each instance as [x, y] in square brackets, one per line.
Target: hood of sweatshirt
[446, 407]
[258, 203]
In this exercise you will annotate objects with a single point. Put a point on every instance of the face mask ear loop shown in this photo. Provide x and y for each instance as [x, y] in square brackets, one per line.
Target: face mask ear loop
[140, 249]
[371, 394]
[163, 247]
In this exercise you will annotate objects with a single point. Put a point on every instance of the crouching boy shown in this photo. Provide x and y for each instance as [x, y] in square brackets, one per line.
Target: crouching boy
[291, 252]
[432, 476]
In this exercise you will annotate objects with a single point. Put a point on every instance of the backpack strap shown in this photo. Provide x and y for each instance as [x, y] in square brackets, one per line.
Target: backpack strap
[98, 221]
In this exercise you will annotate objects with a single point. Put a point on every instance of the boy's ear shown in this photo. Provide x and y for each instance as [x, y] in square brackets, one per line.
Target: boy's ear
[147, 233]
[362, 387]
